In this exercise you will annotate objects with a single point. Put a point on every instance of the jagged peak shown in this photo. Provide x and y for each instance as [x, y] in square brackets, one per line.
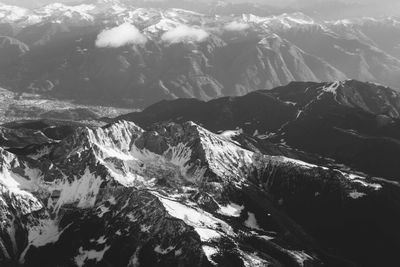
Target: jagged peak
[122, 125]
[118, 131]
[7, 158]
[283, 21]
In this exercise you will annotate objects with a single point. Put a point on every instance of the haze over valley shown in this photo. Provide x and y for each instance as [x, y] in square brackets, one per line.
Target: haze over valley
[199, 133]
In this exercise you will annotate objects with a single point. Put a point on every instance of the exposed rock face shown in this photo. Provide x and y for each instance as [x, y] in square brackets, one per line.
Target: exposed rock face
[179, 195]
[354, 123]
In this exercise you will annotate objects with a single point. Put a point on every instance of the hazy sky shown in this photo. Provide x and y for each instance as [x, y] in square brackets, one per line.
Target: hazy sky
[340, 8]
[285, 2]
[386, 3]
[324, 7]
[272, 2]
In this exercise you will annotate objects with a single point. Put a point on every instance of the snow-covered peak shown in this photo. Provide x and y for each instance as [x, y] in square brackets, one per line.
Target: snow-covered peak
[59, 7]
[116, 137]
[59, 11]
[160, 21]
[112, 7]
[12, 13]
[163, 25]
[283, 21]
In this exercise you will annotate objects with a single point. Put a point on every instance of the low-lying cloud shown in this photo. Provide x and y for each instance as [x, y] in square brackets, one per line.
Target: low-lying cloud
[236, 26]
[185, 33]
[124, 34]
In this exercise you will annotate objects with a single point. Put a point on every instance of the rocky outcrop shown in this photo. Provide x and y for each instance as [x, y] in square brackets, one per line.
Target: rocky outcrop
[176, 194]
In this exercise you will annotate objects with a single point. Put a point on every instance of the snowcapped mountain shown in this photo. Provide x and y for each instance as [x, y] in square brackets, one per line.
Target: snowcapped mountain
[178, 194]
[57, 13]
[12, 13]
[217, 172]
[173, 53]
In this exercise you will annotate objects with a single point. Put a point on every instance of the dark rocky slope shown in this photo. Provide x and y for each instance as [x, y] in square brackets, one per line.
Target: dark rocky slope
[181, 195]
[354, 123]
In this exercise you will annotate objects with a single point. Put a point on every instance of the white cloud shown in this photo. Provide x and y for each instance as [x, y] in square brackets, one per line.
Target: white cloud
[124, 34]
[184, 33]
[236, 26]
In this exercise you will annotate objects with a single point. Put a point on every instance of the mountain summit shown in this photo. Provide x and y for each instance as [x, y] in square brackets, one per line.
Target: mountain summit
[181, 195]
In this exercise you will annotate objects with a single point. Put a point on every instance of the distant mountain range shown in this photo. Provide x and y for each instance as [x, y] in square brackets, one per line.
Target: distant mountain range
[326, 9]
[51, 51]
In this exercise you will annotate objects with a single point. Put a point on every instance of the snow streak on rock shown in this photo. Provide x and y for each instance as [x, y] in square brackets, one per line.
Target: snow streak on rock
[174, 180]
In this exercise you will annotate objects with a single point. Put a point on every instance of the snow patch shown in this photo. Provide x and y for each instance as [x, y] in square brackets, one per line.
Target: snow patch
[82, 190]
[332, 88]
[85, 255]
[297, 162]
[206, 225]
[210, 252]
[361, 180]
[102, 210]
[251, 221]
[232, 210]
[253, 260]
[300, 256]
[356, 195]
[44, 233]
[162, 251]
[225, 159]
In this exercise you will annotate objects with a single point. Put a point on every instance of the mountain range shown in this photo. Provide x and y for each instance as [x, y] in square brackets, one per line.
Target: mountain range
[301, 175]
[182, 133]
[55, 51]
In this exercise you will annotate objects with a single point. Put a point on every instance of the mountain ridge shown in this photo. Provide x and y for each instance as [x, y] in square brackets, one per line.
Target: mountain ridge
[233, 55]
[204, 168]
[91, 158]
[363, 115]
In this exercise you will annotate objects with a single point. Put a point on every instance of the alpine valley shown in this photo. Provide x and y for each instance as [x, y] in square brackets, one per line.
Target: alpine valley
[161, 150]
[176, 53]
